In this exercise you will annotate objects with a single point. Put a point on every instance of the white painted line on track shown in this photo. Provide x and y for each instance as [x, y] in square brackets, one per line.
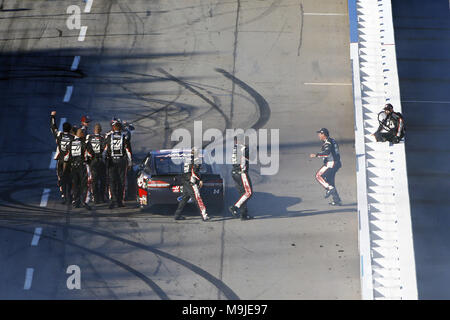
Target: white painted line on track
[327, 84]
[417, 101]
[44, 198]
[68, 94]
[82, 35]
[76, 62]
[87, 9]
[324, 14]
[52, 161]
[36, 237]
[28, 279]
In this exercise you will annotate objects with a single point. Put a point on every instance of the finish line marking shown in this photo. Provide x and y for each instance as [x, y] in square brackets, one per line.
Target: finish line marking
[28, 279]
[37, 235]
[68, 94]
[44, 198]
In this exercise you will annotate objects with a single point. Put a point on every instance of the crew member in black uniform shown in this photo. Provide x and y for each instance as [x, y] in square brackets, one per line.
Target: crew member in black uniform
[96, 144]
[392, 125]
[63, 140]
[76, 157]
[331, 164]
[239, 173]
[118, 155]
[191, 186]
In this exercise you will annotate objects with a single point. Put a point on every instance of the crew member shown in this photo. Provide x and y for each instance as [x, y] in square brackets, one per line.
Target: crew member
[63, 139]
[392, 125]
[85, 125]
[76, 157]
[331, 164]
[118, 155]
[239, 173]
[191, 187]
[96, 144]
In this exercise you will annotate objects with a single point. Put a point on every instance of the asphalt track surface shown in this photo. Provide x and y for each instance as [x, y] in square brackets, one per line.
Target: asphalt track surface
[422, 35]
[161, 65]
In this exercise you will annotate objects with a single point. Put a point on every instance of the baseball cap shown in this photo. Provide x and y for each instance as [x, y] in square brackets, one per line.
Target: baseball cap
[85, 119]
[324, 131]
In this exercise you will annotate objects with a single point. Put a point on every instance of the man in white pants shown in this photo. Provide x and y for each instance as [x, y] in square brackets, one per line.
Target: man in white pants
[240, 161]
[331, 164]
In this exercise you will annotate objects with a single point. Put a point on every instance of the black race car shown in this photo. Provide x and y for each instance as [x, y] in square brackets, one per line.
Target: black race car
[159, 179]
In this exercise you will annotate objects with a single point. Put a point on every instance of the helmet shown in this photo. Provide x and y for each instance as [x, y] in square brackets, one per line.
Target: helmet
[115, 120]
[85, 119]
[388, 107]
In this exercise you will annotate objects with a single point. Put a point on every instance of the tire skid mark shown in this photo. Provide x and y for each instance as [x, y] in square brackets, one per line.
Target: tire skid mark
[228, 292]
[268, 10]
[157, 289]
[263, 105]
[302, 14]
[197, 93]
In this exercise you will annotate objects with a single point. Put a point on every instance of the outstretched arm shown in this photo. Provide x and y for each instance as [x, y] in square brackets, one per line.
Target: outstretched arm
[53, 126]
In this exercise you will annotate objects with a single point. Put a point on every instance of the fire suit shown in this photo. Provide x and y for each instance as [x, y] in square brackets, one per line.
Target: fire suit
[191, 190]
[391, 128]
[331, 164]
[96, 143]
[76, 157]
[118, 155]
[63, 139]
[239, 173]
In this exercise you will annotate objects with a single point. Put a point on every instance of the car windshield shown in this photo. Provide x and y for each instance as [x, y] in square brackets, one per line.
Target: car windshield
[164, 165]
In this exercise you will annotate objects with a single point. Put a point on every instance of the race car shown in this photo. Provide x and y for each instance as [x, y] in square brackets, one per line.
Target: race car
[159, 179]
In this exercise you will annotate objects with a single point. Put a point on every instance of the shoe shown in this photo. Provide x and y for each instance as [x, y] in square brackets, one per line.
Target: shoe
[111, 205]
[76, 205]
[121, 205]
[88, 207]
[328, 193]
[206, 218]
[180, 218]
[246, 217]
[336, 203]
[234, 211]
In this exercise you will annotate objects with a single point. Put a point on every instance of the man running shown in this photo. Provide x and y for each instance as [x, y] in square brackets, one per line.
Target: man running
[331, 164]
